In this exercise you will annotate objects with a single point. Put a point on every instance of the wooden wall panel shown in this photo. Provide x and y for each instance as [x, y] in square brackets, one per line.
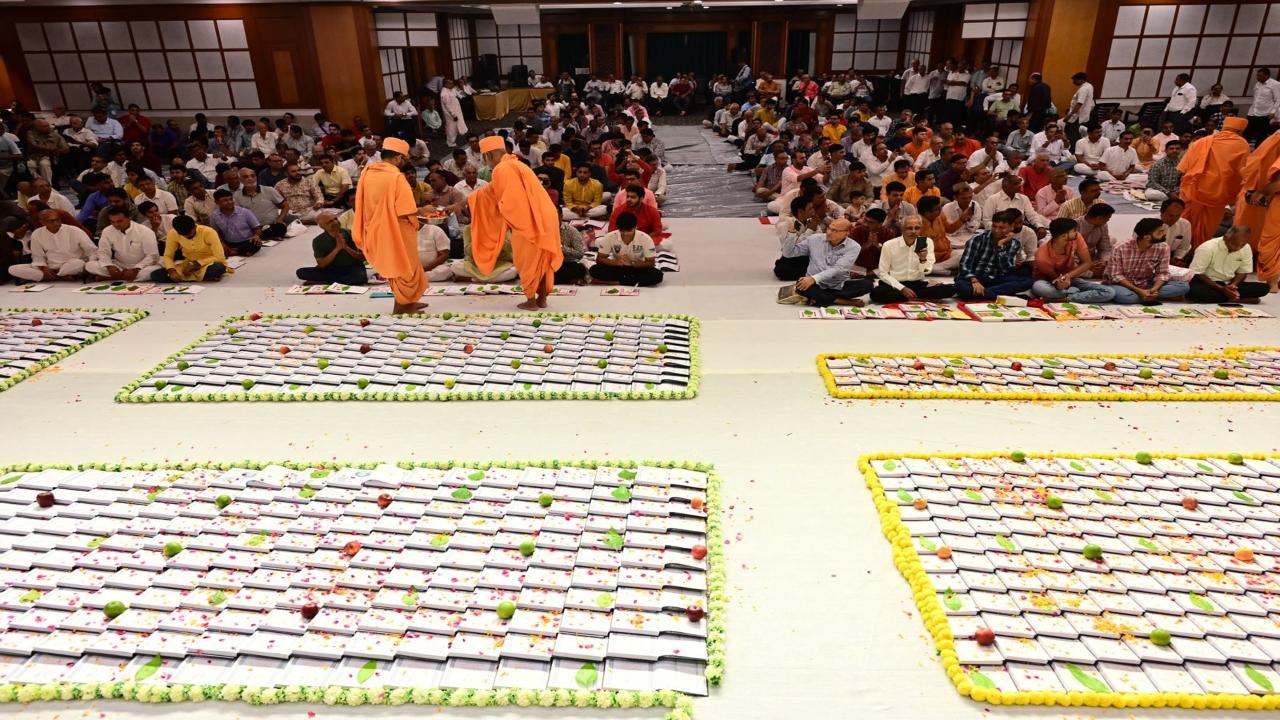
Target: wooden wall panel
[606, 48]
[769, 47]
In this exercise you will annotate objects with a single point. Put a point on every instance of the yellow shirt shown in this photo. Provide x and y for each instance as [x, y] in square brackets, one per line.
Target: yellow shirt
[834, 131]
[914, 194]
[198, 252]
[332, 183]
[565, 166]
[579, 194]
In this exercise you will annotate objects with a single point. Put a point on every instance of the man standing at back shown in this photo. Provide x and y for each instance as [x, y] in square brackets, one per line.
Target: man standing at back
[1212, 177]
[386, 226]
[515, 202]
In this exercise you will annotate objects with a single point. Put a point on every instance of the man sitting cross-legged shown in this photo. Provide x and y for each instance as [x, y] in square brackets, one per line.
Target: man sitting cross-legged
[583, 196]
[237, 227]
[831, 259]
[434, 247]
[338, 260]
[58, 251]
[1138, 269]
[626, 256]
[905, 262]
[803, 220]
[1220, 266]
[126, 250]
[1061, 265]
[989, 266]
[201, 251]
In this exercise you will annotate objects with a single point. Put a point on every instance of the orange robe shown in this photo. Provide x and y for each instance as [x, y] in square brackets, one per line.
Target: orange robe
[1211, 180]
[514, 201]
[1262, 221]
[386, 237]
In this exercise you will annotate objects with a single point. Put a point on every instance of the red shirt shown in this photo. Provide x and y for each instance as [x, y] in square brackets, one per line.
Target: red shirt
[1033, 180]
[805, 114]
[648, 219]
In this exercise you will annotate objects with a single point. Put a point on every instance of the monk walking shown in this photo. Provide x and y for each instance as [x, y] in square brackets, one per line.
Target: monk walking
[1259, 210]
[386, 226]
[515, 202]
[1211, 178]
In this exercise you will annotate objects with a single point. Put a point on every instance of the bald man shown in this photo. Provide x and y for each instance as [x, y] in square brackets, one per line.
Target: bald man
[831, 258]
[58, 251]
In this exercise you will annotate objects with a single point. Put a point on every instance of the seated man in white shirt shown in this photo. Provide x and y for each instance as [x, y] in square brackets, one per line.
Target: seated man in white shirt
[456, 163]
[905, 262]
[1219, 268]
[127, 250]
[433, 252]
[962, 219]
[58, 251]
[988, 156]
[1120, 163]
[147, 191]
[1089, 151]
[470, 181]
[626, 256]
[43, 191]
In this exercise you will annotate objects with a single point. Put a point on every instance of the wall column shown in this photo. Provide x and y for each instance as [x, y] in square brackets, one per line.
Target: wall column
[1061, 35]
[349, 69]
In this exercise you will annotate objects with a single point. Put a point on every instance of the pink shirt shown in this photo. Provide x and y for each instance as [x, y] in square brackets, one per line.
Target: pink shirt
[1047, 203]
[1049, 265]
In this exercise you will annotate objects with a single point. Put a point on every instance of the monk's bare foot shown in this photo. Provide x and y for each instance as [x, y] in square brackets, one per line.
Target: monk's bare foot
[528, 305]
[399, 309]
[541, 300]
[1275, 287]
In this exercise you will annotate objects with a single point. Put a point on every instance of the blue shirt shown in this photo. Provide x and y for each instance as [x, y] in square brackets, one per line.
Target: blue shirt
[983, 260]
[236, 228]
[829, 265]
[92, 206]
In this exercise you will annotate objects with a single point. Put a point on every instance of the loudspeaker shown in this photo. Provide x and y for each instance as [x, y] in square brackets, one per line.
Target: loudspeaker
[519, 76]
[486, 70]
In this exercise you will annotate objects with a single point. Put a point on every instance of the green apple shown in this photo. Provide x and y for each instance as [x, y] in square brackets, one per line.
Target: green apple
[515, 363]
[602, 364]
[608, 336]
[172, 548]
[948, 373]
[506, 609]
[1235, 459]
[404, 364]
[183, 364]
[1047, 373]
[1160, 637]
[504, 335]
[545, 499]
[537, 323]
[322, 363]
[246, 383]
[450, 382]
[1145, 373]
[160, 384]
[447, 316]
[1054, 502]
[662, 348]
[1018, 456]
[222, 501]
[527, 547]
[114, 609]
[362, 383]
[1092, 552]
[1221, 374]
[309, 329]
[1143, 457]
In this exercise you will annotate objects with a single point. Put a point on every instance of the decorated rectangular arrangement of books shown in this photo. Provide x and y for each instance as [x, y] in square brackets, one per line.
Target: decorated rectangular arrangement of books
[1109, 581]
[584, 585]
[431, 357]
[32, 339]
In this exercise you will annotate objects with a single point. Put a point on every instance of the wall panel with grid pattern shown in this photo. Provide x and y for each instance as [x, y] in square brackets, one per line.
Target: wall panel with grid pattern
[919, 37]
[513, 44]
[163, 65]
[869, 46]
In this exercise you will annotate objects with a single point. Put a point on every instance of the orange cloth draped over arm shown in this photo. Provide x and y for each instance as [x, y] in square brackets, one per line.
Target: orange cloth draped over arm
[1268, 250]
[385, 228]
[515, 201]
[1257, 175]
[1211, 180]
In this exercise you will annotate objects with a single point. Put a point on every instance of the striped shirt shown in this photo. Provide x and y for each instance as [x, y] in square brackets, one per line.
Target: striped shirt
[1140, 268]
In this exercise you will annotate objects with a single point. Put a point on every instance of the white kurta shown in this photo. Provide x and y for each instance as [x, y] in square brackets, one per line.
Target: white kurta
[136, 248]
[65, 251]
[451, 109]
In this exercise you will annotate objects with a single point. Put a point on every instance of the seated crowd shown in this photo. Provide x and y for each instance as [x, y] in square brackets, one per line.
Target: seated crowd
[972, 196]
[159, 202]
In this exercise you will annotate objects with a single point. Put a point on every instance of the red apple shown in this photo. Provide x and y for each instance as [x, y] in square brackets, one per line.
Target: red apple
[384, 500]
[1190, 503]
[698, 551]
[255, 316]
[351, 548]
[547, 348]
[364, 349]
[984, 636]
[45, 499]
[1016, 365]
[364, 322]
[310, 610]
[919, 365]
[468, 349]
[36, 322]
[284, 349]
[1108, 365]
[694, 613]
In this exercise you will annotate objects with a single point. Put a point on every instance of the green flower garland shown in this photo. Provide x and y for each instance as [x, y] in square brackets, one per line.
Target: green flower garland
[125, 395]
[679, 705]
[65, 352]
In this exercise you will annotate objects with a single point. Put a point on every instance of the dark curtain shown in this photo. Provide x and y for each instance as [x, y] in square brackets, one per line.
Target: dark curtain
[703, 53]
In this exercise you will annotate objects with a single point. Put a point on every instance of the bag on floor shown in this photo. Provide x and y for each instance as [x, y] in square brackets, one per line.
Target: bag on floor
[295, 229]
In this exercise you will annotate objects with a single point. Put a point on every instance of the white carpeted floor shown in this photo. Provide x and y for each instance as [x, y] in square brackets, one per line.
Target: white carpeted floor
[820, 624]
